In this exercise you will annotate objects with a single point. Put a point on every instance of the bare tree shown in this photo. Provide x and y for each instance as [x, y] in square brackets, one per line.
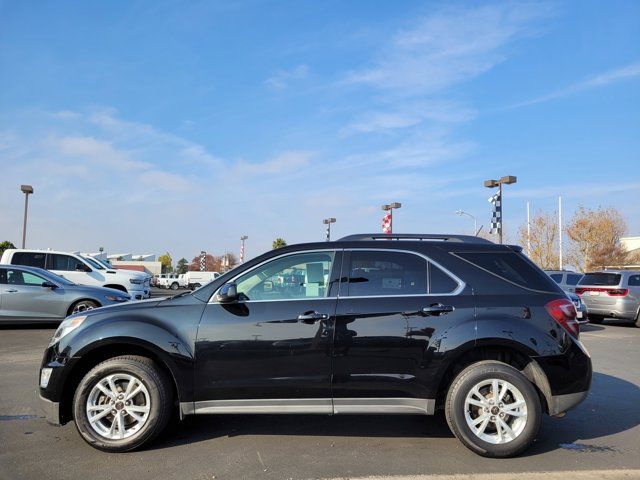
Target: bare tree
[544, 239]
[595, 238]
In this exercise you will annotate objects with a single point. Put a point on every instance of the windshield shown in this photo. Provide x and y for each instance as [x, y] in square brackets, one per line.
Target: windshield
[93, 263]
[601, 278]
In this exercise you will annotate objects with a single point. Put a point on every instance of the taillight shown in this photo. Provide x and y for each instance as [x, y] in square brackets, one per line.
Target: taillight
[580, 291]
[564, 313]
[618, 292]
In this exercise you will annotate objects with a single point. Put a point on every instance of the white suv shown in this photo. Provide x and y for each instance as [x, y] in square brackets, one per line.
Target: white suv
[78, 269]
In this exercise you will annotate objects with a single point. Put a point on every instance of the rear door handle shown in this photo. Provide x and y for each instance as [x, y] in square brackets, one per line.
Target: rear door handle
[312, 317]
[437, 309]
[12, 290]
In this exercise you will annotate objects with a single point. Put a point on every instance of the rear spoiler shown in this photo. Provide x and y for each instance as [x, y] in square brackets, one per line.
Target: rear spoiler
[515, 248]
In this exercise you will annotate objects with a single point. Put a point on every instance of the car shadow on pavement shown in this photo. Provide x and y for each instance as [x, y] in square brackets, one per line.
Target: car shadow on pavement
[610, 408]
[590, 327]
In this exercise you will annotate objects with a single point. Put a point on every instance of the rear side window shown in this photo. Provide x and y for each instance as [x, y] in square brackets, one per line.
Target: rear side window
[30, 259]
[386, 273]
[634, 280]
[63, 263]
[573, 279]
[556, 277]
[601, 278]
[512, 267]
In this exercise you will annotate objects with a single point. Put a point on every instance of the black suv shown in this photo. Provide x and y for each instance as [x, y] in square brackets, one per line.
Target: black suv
[397, 324]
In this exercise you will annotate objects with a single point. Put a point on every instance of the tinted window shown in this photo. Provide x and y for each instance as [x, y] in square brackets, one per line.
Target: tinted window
[19, 277]
[556, 277]
[512, 267]
[64, 263]
[601, 278]
[573, 279]
[304, 275]
[387, 273]
[634, 280]
[439, 281]
[30, 259]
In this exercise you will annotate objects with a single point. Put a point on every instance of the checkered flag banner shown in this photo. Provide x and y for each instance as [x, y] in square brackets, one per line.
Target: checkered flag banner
[203, 261]
[386, 223]
[496, 214]
[242, 252]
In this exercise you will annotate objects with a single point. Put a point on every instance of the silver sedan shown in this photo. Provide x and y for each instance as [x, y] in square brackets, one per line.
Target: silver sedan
[33, 295]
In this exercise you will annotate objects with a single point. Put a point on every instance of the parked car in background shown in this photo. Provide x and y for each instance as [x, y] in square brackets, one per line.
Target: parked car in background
[79, 270]
[611, 294]
[104, 265]
[567, 279]
[581, 308]
[369, 326]
[172, 281]
[30, 294]
[196, 279]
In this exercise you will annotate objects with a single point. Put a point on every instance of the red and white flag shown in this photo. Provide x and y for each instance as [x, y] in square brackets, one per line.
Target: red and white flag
[386, 223]
[242, 253]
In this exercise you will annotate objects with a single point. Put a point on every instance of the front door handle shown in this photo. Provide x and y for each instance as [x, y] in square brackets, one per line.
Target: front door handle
[12, 290]
[312, 317]
[437, 309]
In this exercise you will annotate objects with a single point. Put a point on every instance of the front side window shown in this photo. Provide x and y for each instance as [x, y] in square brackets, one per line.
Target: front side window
[19, 277]
[381, 273]
[29, 259]
[64, 263]
[298, 276]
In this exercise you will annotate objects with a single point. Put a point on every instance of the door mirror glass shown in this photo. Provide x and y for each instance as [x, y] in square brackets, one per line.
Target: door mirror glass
[50, 285]
[227, 293]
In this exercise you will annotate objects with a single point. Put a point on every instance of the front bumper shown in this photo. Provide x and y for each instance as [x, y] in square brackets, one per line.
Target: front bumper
[51, 410]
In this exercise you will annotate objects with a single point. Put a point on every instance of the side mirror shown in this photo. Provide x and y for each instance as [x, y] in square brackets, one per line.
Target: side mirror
[228, 293]
[50, 285]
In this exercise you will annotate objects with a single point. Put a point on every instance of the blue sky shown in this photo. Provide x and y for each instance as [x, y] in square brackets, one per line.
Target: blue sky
[164, 125]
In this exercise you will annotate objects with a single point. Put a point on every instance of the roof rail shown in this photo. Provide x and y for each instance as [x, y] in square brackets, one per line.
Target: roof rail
[428, 237]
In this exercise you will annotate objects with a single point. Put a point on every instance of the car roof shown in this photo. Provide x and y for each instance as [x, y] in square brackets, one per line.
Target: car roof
[39, 250]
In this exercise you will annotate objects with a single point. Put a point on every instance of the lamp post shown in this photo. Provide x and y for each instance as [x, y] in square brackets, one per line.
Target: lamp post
[101, 250]
[328, 222]
[242, 238]
[506, 180]
[26, 189]
[389, 208]
[475, 222]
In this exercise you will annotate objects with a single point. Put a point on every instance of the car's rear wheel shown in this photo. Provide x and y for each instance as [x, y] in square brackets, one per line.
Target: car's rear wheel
[493, 409]
[174, 286]
[122, 403]
[597, 319]
[82, 306]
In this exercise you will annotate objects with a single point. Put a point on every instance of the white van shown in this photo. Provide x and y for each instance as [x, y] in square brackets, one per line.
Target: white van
[80, 270]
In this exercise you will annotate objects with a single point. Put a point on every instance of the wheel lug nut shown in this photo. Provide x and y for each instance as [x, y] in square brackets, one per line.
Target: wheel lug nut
[493, 418]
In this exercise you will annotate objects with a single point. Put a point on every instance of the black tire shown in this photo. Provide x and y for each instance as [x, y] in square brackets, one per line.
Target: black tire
[82, 305]
[174, 286]
[160, 392]
[638, 319]
[596, 319]
[196, 286]
[455, 405]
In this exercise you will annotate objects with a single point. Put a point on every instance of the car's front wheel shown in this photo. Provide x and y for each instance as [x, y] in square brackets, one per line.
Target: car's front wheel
[493, 409]
[122, 403]
[174, 286]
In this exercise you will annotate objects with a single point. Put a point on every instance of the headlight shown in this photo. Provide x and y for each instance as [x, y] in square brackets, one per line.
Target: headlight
[137, 281]
[115, 298]
[68, 325]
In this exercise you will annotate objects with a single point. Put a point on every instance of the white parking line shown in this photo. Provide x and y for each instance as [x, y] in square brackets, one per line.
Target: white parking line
[560, 475]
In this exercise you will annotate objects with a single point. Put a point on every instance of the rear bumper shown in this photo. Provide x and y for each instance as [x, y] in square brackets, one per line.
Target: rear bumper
[51, 410]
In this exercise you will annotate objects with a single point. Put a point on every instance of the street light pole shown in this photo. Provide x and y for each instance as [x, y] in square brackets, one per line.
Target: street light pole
[242, 238]
[328, 222]
[27, 190]
[389, 208]
[475, 222]
[507, 180]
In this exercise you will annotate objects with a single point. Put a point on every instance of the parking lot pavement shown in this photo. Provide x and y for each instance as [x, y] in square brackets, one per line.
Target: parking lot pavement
[600, 435]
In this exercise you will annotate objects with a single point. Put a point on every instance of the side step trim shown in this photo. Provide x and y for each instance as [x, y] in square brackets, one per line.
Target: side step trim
[326, 406]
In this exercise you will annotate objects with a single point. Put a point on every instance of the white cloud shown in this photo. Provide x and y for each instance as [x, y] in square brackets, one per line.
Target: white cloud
[625, 73]
[285, 162]
[281, 79]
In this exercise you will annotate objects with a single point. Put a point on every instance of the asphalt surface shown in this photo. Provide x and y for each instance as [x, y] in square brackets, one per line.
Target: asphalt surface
[600, 438]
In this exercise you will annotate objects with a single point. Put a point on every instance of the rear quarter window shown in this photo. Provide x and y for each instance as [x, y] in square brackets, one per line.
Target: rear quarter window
[634, 281]
[512, 267]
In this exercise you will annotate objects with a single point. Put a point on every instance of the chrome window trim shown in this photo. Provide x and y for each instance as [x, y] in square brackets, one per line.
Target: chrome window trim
[457, 291]
[327, 405]
[288, 254]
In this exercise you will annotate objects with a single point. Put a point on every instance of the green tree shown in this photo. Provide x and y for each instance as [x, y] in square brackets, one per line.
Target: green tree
[5, 246]
[279, 243]
[183, 266]
[167, 262]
